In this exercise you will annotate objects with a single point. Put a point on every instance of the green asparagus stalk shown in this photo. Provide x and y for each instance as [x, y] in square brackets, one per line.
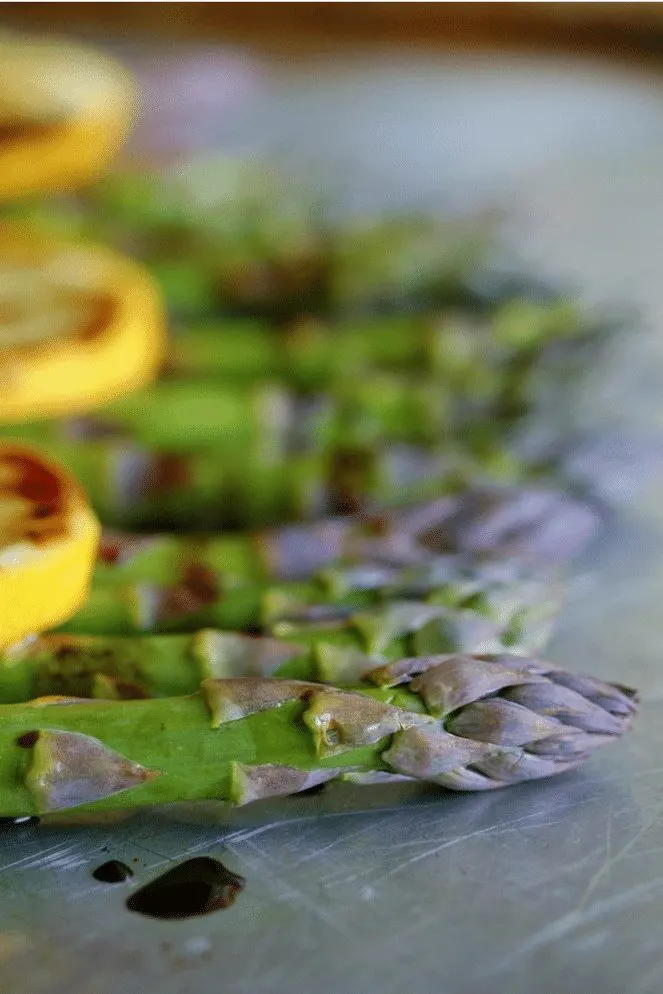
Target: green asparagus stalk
[468, 353]
[132, 486]
[248, 421]
[465, 722]
[481, 549]
[140, 666]
[334, 642]
[262, 421]
[518, 602]
[413, 380]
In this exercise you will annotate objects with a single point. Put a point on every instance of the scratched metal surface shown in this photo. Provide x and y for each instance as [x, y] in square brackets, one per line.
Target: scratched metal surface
[554, 887]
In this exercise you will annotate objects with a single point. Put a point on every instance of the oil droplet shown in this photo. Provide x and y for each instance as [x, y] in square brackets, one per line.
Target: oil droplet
[112, 872]
[197, 887]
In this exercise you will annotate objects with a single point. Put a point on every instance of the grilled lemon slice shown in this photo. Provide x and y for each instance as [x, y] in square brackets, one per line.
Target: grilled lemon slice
[48, 543]
[64, 113]
[79, 324]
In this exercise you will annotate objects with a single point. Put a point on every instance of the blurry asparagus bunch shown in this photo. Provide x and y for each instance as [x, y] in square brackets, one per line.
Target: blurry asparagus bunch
[235, 236]
[327, 368]
[374, 375]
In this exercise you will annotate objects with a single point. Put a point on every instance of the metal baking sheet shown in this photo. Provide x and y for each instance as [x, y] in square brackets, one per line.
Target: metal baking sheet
[552, 887]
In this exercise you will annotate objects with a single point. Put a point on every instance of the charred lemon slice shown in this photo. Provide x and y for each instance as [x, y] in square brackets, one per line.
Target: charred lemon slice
[48, 542]
[64, 113]
[79, 325]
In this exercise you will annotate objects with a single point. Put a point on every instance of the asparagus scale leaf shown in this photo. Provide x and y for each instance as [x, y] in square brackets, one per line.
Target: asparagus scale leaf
[462, 722]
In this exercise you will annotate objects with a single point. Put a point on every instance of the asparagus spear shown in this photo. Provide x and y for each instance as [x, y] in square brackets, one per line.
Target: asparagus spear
[465, 722]
[469, 353]
[132, 486]
[249, 420]
[528, 523]
[356, 568]
[482, 548]
[255, 421]
[327, 636]
[142, 666]
[350, 468]
[516, 600]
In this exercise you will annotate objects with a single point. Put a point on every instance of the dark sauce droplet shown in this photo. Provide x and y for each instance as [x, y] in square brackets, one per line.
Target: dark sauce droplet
[112, 872]
[197, 887]
[28, 740]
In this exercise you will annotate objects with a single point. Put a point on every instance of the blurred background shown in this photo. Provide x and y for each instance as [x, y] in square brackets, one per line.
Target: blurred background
[607, 29]
[201, 65]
